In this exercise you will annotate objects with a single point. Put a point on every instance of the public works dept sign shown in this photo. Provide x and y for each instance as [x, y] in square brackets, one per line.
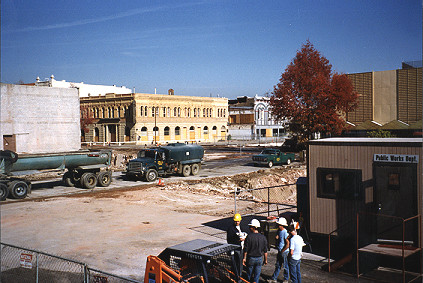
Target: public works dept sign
[396, 158]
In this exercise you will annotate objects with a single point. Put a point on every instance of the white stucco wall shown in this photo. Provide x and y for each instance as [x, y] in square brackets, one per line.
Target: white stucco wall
[43, 119]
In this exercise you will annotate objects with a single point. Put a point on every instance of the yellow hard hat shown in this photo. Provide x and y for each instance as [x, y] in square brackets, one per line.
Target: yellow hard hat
[237, 217]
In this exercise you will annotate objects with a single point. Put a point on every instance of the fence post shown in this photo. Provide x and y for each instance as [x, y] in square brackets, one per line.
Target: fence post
[86, 274]
[268, 201]
[36, 264]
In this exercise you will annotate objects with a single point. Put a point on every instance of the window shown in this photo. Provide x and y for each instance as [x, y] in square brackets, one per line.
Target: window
[206, 130]
[339, 183]
[195, 112]
[164, 111]
[175, 112]
[204, 112]
[166, 131]
[142, 111]
[177, 131]
[145, 111]
[394, 181]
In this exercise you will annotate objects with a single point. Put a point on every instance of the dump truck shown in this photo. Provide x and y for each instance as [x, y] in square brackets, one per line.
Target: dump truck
[194, 261]
[270, 157]
[184, 159]
[82, 168]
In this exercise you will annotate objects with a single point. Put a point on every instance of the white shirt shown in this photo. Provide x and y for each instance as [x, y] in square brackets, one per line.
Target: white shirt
[296, 245]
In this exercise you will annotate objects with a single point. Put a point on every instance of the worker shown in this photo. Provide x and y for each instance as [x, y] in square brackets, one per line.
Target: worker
[296, 244]
[282, 244]
[255, 248]
[235, 236]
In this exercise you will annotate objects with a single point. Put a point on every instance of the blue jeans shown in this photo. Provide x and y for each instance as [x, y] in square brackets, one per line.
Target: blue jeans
[281, 259]
[254, 268]
[294, 270]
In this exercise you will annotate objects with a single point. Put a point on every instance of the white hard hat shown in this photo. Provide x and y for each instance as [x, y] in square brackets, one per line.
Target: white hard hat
[282, 221]
[255, 223]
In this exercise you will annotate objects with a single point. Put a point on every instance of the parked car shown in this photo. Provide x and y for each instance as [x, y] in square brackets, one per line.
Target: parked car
[270, 157]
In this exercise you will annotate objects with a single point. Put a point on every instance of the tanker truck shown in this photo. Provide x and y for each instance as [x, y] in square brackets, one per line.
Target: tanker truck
[84, 168]
[174, 158]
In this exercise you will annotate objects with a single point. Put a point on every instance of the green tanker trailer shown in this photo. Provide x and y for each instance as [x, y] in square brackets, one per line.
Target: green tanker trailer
[85, 168]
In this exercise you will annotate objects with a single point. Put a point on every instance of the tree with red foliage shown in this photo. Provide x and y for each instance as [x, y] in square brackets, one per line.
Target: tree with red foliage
[311, 96]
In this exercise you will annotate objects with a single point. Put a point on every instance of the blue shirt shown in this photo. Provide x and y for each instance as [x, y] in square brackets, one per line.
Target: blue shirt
[283, 234]
[296, 245]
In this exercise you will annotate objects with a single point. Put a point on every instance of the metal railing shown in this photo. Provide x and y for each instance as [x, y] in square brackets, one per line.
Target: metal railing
[27, 265]
[268, 199]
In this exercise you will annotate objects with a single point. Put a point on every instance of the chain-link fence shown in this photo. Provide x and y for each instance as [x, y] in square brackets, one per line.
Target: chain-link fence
[25, 265]
[269, 201]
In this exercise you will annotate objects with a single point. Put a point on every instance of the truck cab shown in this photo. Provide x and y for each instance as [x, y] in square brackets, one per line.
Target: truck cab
[270, 157]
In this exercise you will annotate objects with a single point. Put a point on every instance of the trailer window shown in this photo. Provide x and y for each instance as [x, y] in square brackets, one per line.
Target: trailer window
[339, 183]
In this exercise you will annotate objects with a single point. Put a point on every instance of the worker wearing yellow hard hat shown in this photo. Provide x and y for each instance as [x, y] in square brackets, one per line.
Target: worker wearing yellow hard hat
[235, 236]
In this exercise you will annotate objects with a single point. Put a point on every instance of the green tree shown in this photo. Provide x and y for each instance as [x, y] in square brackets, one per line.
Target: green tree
[312, 96]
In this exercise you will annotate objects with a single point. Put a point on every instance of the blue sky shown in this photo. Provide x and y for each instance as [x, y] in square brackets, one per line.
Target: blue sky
[201, 48]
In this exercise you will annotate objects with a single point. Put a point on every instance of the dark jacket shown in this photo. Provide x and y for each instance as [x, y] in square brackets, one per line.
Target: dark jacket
[232, 237]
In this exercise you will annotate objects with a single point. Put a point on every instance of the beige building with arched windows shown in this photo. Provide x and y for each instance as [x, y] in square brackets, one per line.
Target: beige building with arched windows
[179, 118]
[131, 117]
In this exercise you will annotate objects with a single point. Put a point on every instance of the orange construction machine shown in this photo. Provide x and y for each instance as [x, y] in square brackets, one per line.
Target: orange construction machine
[195, 261]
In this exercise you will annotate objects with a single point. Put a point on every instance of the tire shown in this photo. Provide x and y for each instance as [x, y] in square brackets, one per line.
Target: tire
[18, 189]
[68, 179]
[195, 168]
[4, 191]
[186, 170]
[270, 164]
[104, 178]
[151, 175]
[89, 180]
[288, 161]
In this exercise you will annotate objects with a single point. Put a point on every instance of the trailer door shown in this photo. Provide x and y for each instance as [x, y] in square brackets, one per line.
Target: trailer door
[395, 195]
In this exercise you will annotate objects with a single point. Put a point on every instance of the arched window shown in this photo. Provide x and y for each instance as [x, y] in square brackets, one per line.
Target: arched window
[144, 131]
[206, 130]
[142, 111]
[166, 131]
[168, 112]
[224, 112]
[145, 111]
[177, 131]
[189, 112]
[164, 111]
[179, 111]
[175, 112]
[192, 128]
[195, 112]
[156, 130]
[204, 112]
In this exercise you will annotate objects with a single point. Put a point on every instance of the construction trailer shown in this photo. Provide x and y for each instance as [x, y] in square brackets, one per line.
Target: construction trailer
[365, 195]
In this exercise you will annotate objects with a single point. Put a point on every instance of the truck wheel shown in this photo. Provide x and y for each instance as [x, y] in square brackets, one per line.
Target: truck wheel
[186, 170]
[270, 164]
[151, 175]
[104, 178]
[18, 189]
[68, 180]
[89, 180]
[195, 168]
[288, 161]
[4, 191]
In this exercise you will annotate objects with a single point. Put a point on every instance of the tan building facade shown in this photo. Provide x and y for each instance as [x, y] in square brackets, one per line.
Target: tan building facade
[179, 118]
[143, 119]
[385, 96]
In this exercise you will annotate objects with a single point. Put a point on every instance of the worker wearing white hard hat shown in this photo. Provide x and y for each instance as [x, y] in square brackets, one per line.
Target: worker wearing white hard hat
[282, 244]
[296, 244]
[255, 248]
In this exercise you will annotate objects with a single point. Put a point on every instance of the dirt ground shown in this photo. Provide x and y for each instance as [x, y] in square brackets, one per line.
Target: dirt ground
[116, 230]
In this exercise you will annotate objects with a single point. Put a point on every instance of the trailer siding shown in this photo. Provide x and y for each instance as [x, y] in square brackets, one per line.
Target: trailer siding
[351, 155]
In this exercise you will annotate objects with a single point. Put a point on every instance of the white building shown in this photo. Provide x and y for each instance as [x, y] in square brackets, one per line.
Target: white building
[85, 90]
[39, 119]
[251, 118]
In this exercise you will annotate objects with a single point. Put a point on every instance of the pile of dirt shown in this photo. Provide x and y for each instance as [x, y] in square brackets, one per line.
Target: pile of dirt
[252, 186]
